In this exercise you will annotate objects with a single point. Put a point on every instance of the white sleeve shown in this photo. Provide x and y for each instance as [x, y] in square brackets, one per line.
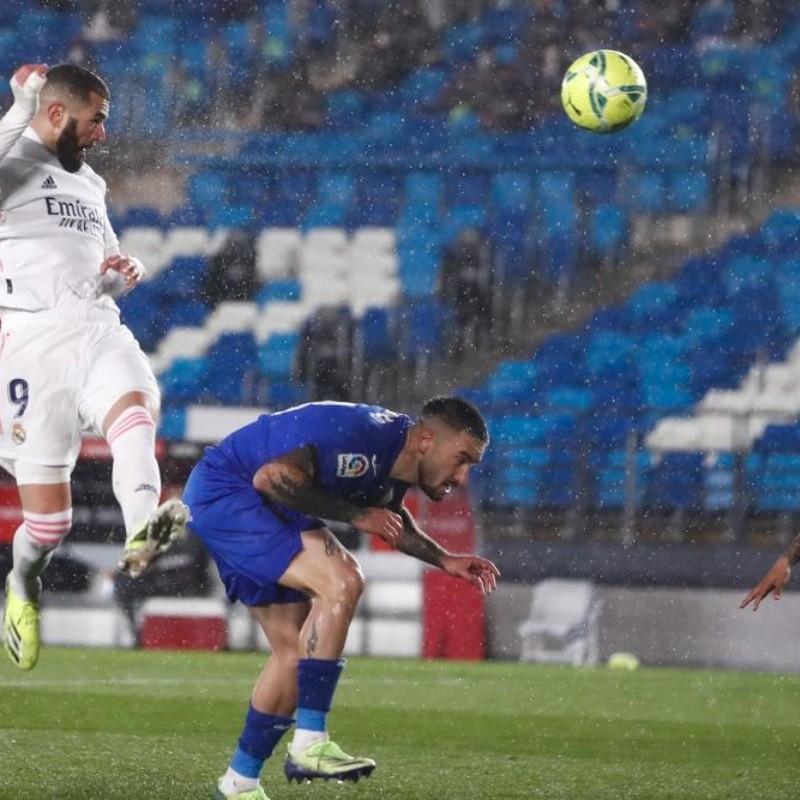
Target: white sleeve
[110, 241]
[19, 116]
[12, 125]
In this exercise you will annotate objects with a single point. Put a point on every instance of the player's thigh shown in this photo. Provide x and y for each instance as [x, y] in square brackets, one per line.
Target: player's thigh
[41, 372]
[281, 623]
[323, 567]
[117, 367]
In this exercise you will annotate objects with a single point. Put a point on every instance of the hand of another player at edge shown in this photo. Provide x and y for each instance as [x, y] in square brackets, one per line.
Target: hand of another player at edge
[480, 572]
[773, 582]
[379, 522]
[130, 268]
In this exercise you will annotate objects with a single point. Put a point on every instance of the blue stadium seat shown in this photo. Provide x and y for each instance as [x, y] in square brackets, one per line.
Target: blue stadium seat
[283, 289]
[511, 191]
[183, 278]
[378, 337]
[184, 381]
[424, 189]
[173, 423]
[608, 230]
[422, 324]
[207, 189]
[277, 355]
[718, 484]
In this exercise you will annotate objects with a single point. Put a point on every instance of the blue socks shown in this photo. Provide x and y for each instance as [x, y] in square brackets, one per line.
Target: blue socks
[260, 736]
[316, 682]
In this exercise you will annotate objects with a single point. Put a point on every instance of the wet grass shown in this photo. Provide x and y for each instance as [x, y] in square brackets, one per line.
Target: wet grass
[102, 725]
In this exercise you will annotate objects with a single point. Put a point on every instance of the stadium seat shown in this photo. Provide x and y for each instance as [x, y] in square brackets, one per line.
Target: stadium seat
[563, 623]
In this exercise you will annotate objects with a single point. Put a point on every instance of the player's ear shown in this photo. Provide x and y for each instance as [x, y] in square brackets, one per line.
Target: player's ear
[56, 114]
[425, 439]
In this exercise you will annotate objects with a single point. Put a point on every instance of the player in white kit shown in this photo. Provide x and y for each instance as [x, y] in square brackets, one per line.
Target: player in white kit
[66, 362]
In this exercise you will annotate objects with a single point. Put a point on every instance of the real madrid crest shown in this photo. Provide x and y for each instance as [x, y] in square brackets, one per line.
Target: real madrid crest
[18, 433]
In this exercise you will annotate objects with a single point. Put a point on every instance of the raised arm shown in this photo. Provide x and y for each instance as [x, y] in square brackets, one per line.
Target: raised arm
[290, 480]
[776, 578]
[26, 83]
[480, 572]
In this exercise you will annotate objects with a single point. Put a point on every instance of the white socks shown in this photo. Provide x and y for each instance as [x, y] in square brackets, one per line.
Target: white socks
[232, 782]
[135, 476]
[303, 739]
[34, 543]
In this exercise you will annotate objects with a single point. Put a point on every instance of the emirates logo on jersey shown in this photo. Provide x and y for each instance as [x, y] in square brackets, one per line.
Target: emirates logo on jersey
[76, 215]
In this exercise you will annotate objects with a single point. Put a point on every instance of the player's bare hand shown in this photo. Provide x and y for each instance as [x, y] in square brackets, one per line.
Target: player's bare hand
[26, 83]
[773, 582]
[131, 269]
[480, 572]
[380, 522]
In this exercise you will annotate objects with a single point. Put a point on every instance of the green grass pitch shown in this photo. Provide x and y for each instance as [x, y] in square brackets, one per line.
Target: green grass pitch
[102, 725]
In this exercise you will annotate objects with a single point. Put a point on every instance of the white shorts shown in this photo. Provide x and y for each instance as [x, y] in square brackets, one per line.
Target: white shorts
[59, 376]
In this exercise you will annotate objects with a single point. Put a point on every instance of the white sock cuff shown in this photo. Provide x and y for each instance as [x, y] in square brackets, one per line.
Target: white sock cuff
[48, 530]
[132, 418]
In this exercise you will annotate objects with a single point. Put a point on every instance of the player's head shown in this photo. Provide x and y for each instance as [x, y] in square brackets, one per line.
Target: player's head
[451, 438]
[73, 108]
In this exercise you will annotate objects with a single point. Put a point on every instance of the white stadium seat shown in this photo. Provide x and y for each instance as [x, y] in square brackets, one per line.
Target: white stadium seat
[277, 252]
[231, 316]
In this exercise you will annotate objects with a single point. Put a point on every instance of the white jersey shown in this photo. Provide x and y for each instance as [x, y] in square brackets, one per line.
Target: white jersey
[54, 231]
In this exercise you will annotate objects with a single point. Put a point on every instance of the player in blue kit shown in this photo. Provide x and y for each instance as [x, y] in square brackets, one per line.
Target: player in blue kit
[258, 500]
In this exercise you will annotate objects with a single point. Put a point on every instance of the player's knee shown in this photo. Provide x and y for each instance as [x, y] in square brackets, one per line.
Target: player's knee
[287, 657]
[349, 586]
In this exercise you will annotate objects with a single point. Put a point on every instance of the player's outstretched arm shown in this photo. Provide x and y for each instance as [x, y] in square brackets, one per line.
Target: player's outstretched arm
[475, 570]
[480, 572]
[26, 83]
[776, 578]
[290, 480]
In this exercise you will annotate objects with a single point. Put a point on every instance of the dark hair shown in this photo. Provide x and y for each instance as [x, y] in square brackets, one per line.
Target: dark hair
[76, 81]
[457, 414]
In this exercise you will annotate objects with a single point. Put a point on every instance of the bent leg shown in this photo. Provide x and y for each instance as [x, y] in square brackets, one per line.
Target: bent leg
[130, 430]
[47, 518]
[275, 691]
[332, 576]
[273, 700]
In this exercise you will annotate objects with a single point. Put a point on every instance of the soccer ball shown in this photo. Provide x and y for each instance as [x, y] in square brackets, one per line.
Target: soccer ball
[604, 91]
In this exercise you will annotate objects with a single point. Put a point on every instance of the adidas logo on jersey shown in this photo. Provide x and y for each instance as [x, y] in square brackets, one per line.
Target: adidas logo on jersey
[49, 183]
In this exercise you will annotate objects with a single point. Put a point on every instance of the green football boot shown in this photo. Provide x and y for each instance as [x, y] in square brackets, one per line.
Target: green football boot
[21, 629]
[253, 794]
[328, 761]
[154, 537]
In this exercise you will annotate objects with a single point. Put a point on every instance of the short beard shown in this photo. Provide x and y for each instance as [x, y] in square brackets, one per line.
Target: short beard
[68, 150]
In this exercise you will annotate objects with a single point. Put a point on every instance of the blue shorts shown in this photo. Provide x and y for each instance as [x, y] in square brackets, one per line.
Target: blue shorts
[251, 544]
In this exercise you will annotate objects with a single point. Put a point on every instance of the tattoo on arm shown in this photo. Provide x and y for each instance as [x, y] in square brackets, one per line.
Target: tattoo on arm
[414, 542]
[331, 545]
[293, 488]
[793, 551]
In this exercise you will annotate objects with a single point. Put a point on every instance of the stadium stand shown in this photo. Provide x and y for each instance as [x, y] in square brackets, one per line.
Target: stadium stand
[354, 198]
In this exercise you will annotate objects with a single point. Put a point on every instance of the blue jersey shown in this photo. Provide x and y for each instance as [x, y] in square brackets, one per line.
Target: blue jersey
[253, 539]
[355, 447]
